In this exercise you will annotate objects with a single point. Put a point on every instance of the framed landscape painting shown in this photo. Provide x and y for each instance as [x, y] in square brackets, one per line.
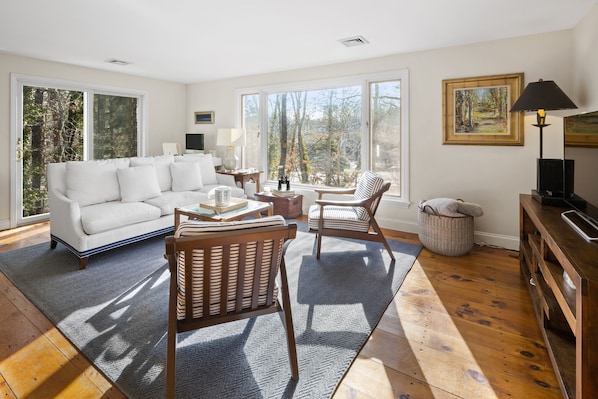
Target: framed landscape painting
[581, 130]
[476, 110]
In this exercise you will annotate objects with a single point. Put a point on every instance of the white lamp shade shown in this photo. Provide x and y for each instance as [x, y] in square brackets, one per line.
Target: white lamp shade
[230, 137]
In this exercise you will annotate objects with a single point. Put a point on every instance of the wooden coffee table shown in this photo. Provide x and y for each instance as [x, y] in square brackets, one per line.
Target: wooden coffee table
[253, 208]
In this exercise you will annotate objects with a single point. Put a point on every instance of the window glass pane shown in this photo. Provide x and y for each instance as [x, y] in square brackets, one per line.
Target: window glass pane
[314, 136]
[114, 126]
[385, 132]
[251, 124]
[52, 132]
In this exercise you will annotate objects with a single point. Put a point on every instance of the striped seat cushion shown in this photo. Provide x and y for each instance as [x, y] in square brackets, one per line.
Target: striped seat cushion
[345, 217]
[194, 228]
[337, 217]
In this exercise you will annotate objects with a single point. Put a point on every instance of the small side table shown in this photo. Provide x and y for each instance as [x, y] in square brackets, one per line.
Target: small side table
[242, 176]
[288, 207]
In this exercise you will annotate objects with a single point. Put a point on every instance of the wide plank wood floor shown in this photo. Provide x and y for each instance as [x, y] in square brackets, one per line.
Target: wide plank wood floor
[459, 327]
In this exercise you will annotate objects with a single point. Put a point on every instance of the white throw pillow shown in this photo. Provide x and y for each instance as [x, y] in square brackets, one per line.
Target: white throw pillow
[93, 182]
[162, 165]
[185, 176]
[206, 167]
[138, 183]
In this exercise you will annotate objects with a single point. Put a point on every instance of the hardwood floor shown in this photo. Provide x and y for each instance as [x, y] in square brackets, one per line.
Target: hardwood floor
[458, 328]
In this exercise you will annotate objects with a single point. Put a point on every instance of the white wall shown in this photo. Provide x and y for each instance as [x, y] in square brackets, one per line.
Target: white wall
[166, 108]
[492, 176]
[585, 39]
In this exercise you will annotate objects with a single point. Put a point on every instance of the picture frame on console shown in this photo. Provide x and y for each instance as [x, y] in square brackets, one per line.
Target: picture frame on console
[476, 110]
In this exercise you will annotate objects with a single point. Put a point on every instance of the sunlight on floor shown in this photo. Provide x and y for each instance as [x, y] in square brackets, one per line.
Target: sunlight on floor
[36, 371]
[422, 315]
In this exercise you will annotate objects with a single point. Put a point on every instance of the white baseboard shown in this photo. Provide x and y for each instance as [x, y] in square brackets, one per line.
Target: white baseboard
[4, 224]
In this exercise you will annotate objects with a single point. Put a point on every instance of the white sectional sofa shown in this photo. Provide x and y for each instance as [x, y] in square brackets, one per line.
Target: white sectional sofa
[99, 205]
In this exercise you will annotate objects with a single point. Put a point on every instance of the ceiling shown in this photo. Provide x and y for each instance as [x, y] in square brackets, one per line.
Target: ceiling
[201, 40]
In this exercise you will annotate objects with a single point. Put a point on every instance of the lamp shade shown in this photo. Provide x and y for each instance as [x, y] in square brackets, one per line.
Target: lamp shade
[230, 137]
[544, 94]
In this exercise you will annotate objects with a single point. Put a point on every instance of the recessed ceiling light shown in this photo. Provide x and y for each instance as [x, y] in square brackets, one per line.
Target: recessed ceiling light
[114, 61]
[354, 41]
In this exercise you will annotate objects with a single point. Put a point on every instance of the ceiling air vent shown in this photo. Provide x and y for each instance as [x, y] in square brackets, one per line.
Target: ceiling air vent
[114, 61]
[354, 41]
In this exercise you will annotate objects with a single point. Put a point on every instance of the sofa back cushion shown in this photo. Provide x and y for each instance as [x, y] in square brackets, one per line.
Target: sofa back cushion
[138, 183]
[94, 182]
[185, 176]
[162, 165]
[206, 167]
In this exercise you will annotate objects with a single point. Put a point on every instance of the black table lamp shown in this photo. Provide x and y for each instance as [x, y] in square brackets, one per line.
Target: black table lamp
[542, 96]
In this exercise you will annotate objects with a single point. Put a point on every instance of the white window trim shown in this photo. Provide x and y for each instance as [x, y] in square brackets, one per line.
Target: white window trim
[364, 80]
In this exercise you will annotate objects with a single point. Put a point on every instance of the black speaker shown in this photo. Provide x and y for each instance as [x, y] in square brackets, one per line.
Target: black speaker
[555, 181]
[550, 177]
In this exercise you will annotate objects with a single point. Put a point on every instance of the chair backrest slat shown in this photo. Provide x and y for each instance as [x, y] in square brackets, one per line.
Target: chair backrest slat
[274, 262]
[242, 270]
[257, 274]
[189, 286]
[224, 282]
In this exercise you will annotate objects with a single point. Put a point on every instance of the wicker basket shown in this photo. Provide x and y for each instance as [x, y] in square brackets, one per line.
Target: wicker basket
[445, 235]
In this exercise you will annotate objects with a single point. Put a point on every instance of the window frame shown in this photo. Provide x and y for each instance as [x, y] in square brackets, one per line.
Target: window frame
[18, 81]
[363, 80]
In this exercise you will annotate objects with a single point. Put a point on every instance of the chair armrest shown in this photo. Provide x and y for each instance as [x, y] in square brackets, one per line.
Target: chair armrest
[351, 203]
[322, 191]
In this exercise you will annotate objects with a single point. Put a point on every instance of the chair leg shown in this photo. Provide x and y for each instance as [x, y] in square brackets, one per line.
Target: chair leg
[319, 244]
[171, 340]
[288, 320]
[382, 238]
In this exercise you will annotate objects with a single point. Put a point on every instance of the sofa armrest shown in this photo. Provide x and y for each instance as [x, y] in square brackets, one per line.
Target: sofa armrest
[226, 180]
[65, 219]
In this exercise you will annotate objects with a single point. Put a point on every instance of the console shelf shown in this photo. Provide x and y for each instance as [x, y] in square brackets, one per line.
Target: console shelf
[567, 317]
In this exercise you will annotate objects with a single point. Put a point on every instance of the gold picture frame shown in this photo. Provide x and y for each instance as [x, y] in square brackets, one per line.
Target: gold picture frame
[475, 110]
[204, 117]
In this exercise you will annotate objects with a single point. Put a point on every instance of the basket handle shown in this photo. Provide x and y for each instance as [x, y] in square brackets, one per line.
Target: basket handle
[432, 209]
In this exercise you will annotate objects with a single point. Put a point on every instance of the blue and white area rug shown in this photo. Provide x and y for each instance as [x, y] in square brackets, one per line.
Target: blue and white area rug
[115, 312]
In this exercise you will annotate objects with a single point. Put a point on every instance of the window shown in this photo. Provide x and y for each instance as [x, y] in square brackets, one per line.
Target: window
[324, 133]
[60, 121]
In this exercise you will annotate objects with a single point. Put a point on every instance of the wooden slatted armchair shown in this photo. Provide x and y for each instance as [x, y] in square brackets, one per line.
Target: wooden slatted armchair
[350, 218]
[222, 272]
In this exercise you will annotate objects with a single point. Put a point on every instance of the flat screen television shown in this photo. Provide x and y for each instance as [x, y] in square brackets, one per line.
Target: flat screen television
[581, 147]
[194, 142]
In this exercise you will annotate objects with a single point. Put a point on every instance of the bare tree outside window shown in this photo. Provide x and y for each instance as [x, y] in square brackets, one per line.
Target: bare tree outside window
[315, 137]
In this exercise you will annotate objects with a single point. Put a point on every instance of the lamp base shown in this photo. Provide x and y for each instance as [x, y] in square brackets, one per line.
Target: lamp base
[230, 159]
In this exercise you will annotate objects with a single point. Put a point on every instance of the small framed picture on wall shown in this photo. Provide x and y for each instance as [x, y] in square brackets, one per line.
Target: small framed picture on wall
[202, 117]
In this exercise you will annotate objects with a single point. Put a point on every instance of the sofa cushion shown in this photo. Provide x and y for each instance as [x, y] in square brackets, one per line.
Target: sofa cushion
[112, 215]
[162, 165]
[206, 166]
[94, 182]
[235, 192]
[185, 176]
[138, 183]
[174, 199]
